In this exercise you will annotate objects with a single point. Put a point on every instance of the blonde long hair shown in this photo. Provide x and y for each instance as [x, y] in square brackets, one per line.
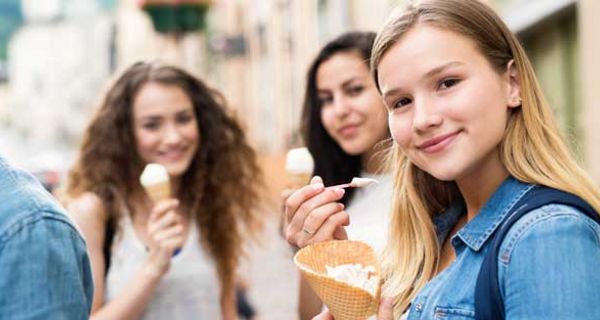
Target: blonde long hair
[532, 150]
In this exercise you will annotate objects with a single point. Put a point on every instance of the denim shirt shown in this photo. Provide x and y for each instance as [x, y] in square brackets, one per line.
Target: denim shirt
[44, 267]
[548, 263]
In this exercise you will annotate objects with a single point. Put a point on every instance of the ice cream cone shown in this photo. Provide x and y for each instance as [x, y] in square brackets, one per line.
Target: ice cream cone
[299, 167]
[155, 181]
[158, 192]
[344, 301]
[297, 180]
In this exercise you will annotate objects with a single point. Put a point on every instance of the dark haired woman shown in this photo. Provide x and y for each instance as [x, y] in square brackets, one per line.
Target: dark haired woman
[344, 122]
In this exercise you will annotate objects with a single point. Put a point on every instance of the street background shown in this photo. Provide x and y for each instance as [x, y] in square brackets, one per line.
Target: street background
[57, 56]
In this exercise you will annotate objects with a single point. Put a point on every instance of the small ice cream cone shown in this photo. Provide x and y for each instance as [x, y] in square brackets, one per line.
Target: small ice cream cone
[344, 301]
[299, 167]
[155, 181]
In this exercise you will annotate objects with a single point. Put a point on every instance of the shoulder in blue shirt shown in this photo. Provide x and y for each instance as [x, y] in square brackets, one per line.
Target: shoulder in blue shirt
[44, 267]
[547, 267]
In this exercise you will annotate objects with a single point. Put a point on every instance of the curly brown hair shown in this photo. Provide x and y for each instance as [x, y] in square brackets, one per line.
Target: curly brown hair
[222, 187]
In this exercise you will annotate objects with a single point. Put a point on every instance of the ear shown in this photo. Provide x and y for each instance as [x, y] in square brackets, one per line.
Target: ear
[513, 92]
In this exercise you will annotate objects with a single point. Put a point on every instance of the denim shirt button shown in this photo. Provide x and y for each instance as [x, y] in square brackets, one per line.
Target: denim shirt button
[418, 307]
[455, 242]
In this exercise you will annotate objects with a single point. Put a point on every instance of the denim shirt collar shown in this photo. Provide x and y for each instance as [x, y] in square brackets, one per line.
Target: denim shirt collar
[477, 231]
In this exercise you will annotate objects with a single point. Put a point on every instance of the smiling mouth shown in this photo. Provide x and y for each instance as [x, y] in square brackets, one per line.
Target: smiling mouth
[438, 143]
[348, 131]
[173, 155]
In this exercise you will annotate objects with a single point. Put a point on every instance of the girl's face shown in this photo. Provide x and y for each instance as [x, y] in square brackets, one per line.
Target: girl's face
[352, 111]
[165, 127]
[448, 107]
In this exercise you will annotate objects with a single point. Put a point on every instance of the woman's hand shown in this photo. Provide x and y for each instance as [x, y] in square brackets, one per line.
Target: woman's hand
[386, 311]
[313, 215]
[166, 231]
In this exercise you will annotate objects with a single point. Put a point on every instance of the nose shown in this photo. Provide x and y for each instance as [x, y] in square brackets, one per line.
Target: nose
[172, 134]
[426, 115]
[341, 105]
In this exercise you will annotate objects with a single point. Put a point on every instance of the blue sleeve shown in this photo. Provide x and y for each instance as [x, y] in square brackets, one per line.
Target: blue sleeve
[549, 266]
[45, 272]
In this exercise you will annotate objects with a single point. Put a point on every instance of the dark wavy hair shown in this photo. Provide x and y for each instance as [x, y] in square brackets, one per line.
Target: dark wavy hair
[222, 186]
[332, 163]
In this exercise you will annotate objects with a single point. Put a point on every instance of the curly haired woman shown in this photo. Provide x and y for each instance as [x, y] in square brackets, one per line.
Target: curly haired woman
[174, 258]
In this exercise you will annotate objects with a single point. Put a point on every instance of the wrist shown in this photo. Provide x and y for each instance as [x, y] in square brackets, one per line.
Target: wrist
[152, 272]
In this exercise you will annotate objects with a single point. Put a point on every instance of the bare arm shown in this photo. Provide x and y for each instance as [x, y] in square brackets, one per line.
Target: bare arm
[228, 304]
[89, 214]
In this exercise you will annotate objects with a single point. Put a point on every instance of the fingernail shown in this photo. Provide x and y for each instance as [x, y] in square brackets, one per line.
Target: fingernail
[317, 186]
[340, 192]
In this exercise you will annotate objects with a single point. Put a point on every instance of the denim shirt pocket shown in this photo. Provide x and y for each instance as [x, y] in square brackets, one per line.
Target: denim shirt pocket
[453, 313]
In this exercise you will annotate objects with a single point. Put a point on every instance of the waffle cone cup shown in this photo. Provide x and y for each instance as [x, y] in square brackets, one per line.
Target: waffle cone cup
[345, 302]
[159, 191]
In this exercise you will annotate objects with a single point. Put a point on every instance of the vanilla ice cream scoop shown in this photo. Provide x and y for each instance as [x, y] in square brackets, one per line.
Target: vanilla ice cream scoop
[155, 180]
[299, 160]
[299, 166]
[355, 275]
[362, 182]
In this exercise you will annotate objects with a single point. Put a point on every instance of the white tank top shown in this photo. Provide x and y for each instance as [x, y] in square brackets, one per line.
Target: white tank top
[370, 211]
[189, 290]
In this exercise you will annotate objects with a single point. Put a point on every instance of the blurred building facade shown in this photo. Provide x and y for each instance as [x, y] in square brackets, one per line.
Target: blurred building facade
[57, 62]
[562, 38]
[268, 47]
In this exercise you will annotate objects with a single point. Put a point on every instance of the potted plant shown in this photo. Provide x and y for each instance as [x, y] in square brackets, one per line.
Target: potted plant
[176, 16]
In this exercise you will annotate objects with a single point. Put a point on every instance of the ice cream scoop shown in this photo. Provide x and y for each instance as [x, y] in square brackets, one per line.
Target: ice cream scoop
[355, 274]
[299, 166]
[155, 180]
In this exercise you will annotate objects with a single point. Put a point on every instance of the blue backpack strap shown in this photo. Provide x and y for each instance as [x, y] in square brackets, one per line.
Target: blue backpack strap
[488, 299]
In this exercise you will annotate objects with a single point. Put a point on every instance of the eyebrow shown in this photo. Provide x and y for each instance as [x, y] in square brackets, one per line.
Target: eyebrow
[345, 83]
[430, 74]
[158, 117]
[440, 69]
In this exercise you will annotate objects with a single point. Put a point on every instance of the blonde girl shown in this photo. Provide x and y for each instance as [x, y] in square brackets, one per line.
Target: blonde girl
[473, 135]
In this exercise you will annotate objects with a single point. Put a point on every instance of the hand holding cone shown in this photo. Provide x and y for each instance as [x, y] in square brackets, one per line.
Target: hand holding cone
[344, 301]
[155, 180]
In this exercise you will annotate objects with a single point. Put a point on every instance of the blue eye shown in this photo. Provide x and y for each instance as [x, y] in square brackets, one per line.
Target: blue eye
[402, 102]
[448, 83]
